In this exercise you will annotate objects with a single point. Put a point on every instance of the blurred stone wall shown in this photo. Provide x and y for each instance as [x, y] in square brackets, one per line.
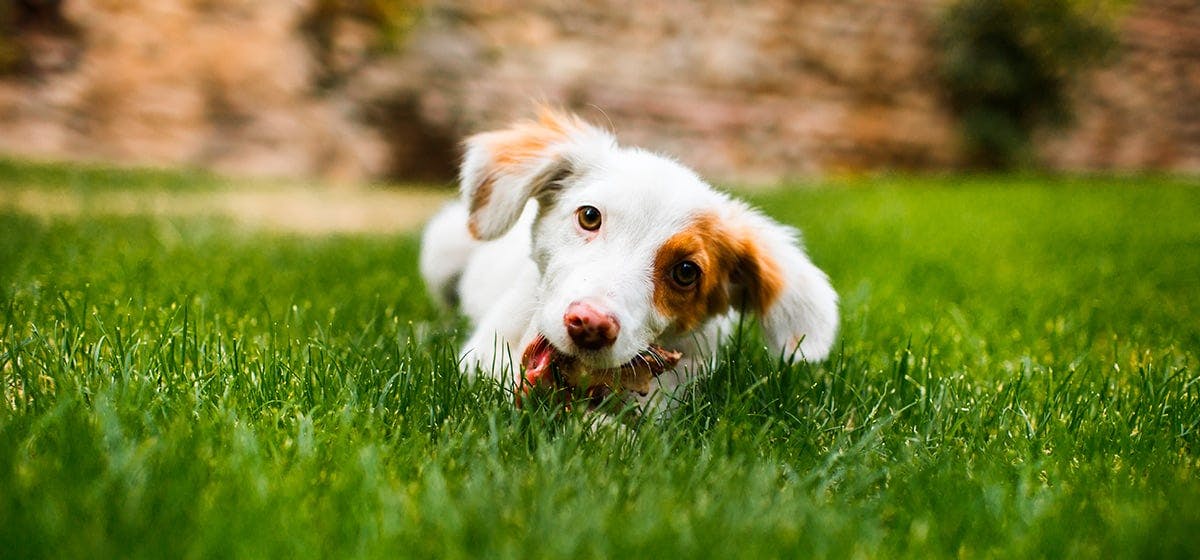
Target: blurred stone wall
[1143, 112]
[751, 91]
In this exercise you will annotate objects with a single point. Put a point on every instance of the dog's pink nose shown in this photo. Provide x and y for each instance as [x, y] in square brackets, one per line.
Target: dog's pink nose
[589, 327]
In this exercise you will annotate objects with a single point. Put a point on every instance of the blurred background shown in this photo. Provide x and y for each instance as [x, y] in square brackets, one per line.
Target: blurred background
[747, 92]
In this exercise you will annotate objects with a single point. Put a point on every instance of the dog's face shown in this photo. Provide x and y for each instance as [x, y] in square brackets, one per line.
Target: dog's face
[633, 247]
[598, 243]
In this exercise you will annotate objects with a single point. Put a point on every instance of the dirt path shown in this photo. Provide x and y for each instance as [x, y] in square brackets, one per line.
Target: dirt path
[309, 211]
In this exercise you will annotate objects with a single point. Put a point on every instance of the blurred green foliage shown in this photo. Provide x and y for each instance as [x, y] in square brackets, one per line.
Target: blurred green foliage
[388, 22]
[1008, 66]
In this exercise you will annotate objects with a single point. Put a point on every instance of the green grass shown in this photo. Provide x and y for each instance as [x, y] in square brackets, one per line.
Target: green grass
[90, 178]
[1017, 375]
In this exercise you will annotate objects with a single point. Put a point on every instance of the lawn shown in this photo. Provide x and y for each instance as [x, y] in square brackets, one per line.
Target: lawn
[1018, 374]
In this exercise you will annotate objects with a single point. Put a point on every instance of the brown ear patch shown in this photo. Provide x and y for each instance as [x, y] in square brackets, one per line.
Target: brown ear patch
[513, 152]
[479, 198]
[528, 140]
[733, 269]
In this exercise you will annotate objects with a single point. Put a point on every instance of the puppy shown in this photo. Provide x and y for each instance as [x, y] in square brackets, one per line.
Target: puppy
[614, 270]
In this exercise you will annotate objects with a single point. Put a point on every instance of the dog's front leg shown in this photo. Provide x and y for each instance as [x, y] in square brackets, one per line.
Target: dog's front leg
[494, 347]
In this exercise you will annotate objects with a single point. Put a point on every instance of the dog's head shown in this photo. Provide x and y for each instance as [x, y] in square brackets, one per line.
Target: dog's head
[632, 247]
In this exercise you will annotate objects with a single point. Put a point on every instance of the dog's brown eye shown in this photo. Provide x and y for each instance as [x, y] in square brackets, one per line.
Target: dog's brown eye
[589, 218]
[685, 274]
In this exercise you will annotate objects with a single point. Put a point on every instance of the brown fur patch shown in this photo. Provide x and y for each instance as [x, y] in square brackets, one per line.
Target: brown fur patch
[526, 141]
[514, 148]
[733, 268]
[479, 198]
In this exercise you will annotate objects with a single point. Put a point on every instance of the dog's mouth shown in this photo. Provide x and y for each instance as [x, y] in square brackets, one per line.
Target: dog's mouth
[546, 367]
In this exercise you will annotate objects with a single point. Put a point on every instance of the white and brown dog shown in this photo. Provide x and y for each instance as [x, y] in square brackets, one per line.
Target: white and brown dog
[610, 268]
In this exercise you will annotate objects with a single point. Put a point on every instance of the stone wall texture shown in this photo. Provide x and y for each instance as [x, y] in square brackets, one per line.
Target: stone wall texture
[745, 91]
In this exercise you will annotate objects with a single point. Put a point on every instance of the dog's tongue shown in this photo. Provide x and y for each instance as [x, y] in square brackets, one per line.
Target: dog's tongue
[536, 360]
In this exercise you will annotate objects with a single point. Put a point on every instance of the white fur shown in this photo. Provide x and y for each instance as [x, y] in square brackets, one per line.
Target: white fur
[531, 258]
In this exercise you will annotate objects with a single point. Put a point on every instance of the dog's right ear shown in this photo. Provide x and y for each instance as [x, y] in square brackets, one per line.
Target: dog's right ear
[503, 169]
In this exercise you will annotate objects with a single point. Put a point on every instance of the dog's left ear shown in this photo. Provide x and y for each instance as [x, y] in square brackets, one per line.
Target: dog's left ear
[796, 304]
[505, 168]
